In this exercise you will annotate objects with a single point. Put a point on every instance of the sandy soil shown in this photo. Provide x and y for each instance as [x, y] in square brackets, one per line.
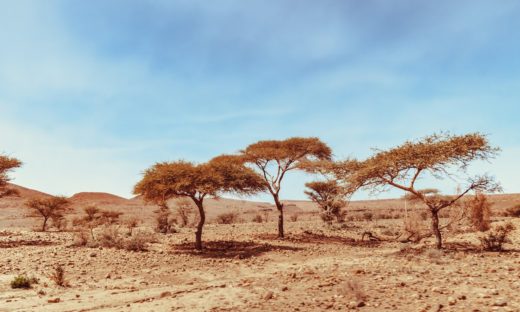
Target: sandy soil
[245, 268]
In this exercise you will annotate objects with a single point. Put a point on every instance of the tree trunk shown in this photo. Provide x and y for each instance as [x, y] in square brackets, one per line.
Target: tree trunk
[202, 220]
[44, 225]
[435, 227]
[279, 206]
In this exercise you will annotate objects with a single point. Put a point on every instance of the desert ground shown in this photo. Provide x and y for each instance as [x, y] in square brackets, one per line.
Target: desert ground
[244, 267]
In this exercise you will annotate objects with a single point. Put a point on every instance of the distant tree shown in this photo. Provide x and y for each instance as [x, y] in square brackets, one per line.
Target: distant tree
[94, 217]
[7, 164]
[223, 174]
[48, 208]
[440, 155]
[329, 197]
[273, 159]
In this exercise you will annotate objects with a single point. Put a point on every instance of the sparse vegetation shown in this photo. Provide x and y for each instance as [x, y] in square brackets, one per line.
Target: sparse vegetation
[58, 276]
[49, 208]
[273, 159]
[23, 282]
[330, 198]
[185, 211]
[479, 212]
[497, 237]
[184, 179]
[402, 166]
[7, 164]
[514, 211]
[228, 218]
[258, 218]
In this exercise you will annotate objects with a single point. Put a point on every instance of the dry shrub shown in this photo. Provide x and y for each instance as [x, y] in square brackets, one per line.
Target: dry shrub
[368, 216]
[164, 223]
[131, 224]
[60, 223]
[138, 242]
[58, 276]
[185, 211]
[228, 218]
[23, 282]
[111, 237]
[353, 289]
[293, 217]
[499, 236]
[479, 212]
[258, 218]
[513, 212]
[81, 238]
[415, 228]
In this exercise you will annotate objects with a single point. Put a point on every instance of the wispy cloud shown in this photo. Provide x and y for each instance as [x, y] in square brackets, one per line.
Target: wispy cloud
[114, 86]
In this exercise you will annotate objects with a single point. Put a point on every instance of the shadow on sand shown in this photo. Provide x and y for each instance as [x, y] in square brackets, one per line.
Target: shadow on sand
[230, 249]
[20, 243]
[318, 238]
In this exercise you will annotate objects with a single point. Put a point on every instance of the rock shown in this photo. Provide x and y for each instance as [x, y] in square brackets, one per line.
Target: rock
[500, 302]
[285, 288]
[55, 300]
[93, 254]
[452, 301]
[268, 295]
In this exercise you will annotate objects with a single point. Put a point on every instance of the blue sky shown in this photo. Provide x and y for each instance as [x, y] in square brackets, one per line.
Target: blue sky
[94, 92]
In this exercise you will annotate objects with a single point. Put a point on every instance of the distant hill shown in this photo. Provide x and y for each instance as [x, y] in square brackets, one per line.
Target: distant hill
[92, 198]
[13, 213]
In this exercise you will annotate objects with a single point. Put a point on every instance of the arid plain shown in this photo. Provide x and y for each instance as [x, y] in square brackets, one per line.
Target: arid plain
[244, 267]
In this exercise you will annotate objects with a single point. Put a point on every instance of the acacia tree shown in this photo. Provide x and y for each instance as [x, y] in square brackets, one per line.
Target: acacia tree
[329, 197]
[274, 158]
[439, 155]
[223, 174]
[53, 207]
[7, 164]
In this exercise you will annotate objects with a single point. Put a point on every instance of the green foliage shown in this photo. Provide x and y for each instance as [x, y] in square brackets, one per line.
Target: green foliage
[23, 282]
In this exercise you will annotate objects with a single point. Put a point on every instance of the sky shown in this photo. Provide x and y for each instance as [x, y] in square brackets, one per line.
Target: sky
[94, 92]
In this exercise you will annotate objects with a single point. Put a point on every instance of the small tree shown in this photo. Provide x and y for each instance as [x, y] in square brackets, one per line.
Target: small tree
[329, 197]
[49, 208]
[403, 166]
[273, 159]
[177, 179]
[7, 164]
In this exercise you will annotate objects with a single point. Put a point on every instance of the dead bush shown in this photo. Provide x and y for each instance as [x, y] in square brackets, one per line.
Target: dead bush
[185, 211]
[496, 238]
[258, 218]
[368, 216]
[228, 218]
[164, 223]
[293, 217]
[131, 224]
[353, 289]
[81, 238]
[111, 237]
[415, 228]
[138, 242]
[513, 212]
[58, 276]
[479, 212]
[59, 222]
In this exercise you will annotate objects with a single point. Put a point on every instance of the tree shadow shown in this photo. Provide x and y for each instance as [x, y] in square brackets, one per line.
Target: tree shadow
[20, 243]
[318, 238]
[230, 249]
[471, 248]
